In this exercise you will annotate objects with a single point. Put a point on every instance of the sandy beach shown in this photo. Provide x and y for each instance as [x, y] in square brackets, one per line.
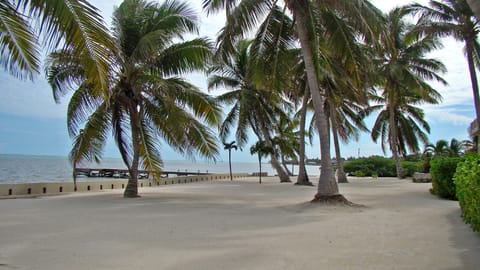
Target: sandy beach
[239, 225]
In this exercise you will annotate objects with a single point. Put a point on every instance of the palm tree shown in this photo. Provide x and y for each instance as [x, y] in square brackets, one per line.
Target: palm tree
[403, 70]
[229, 147]
[287, 140]
[457, 148]
[252, 108]
[243, 16]
[454, 18]
[72, 24]
[262, 149]
[439, 149]
[149, 100]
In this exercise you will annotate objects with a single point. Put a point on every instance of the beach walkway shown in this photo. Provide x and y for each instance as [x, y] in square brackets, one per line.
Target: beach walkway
[239, 225]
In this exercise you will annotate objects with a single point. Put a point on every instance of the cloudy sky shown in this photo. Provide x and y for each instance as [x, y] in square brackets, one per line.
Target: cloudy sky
[32, 124]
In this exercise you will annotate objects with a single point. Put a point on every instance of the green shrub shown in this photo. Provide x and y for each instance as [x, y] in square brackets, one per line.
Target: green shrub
[380, 166]
[467, 182]
[442, 171]
[410, 167]
[359, 174]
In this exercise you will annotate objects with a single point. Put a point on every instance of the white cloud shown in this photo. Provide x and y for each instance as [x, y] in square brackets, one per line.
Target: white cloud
[449, 115]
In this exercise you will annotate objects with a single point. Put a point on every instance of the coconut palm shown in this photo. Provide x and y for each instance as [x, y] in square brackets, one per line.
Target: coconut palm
[454, 18]
[229, 147]
[149, 100]
[457, 148]
[403, 71]
[439, 149]
[251, 108]
[243, 16]
[262, 149]
[287, 140]
[73, 24]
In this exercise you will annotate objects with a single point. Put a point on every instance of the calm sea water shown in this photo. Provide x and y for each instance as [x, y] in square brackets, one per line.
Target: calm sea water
[31, 169]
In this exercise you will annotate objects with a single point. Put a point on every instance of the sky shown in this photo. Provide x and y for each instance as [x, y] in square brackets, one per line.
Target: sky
[32, 124]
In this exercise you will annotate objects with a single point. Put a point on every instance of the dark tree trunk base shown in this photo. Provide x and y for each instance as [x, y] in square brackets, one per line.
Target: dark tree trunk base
[131, 195]
[310, 184]
[286, 181]
[337, 199]
[343, 181]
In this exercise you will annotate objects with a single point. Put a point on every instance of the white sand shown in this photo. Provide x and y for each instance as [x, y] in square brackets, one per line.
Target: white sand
[239, 225]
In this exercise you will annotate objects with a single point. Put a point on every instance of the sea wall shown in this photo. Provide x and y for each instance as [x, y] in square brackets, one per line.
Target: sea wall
[34, 189]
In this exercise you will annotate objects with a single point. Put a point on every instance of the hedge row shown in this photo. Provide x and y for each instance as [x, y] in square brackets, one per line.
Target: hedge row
[379, 166]
[442, 171]
[467, 182]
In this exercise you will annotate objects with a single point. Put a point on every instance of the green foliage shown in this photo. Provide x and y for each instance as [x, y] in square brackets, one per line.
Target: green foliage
[442, 171]
[380, 167]
[410, 167]
[467, 182]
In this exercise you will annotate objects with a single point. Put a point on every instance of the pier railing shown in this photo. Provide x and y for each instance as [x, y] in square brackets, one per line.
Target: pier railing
[123, 173]
[55, 188]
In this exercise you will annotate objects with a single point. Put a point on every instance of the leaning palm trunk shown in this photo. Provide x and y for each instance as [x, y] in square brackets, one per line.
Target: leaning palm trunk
[131, 191]
[327, 185]
[284, 178]
[302, 178]
[473, 78]
[341, 176]
[284, 164]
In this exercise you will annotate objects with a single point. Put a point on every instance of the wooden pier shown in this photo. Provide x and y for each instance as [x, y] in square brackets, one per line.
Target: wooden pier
[123, 173]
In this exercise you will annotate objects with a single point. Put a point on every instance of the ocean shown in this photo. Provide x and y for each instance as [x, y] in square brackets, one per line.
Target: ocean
[35, 169]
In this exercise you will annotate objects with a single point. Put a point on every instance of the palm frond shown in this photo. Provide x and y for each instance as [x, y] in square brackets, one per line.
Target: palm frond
[19, 54]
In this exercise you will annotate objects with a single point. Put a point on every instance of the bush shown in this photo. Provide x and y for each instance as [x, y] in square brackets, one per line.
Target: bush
[380, 167]
[372, 165]
[442, 171]
[467, 182]
[410, 167]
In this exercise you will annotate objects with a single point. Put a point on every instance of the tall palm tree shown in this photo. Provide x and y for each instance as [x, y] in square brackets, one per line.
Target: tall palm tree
[73, 24]
[243, 16]
[403, 71]
[252, 108]
[262, 149]
[229, 147]
[455, 18]
[149, 100]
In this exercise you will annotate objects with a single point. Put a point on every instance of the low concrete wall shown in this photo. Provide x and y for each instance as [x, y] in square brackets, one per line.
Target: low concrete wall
[34, 189]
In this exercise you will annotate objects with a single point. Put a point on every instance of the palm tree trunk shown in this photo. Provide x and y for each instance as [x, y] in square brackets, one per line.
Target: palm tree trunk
[230, 163]
[284, 178]
[260, 167]
[393, 142]
[473, 79]
[341, 176]
[475, 6]
[74, 177]
[131, 191]
[284, 164]
[302, 178]
[327, 185]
